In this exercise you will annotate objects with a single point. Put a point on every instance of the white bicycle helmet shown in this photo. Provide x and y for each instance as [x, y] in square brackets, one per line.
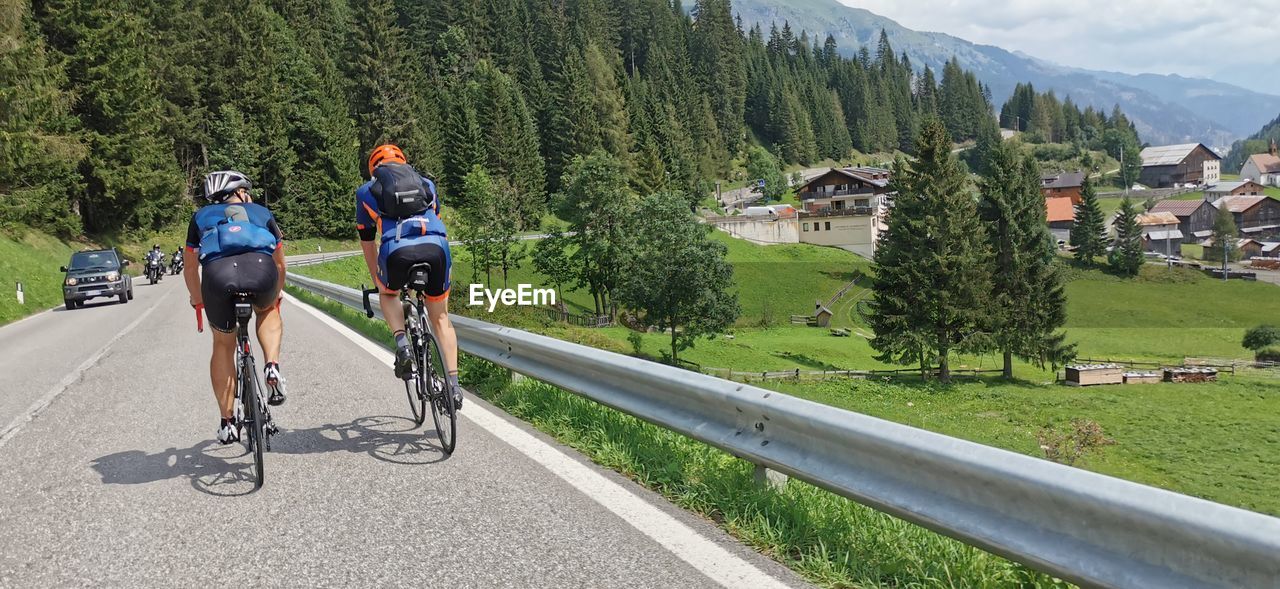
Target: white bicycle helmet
[217, 185]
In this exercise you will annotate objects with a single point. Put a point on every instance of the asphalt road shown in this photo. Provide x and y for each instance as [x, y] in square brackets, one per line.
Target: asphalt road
[112, 477]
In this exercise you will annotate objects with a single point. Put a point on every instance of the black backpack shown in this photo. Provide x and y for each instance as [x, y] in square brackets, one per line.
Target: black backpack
[400, 191]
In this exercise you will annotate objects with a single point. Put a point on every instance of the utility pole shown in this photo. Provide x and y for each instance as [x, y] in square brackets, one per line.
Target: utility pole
[1223, 245]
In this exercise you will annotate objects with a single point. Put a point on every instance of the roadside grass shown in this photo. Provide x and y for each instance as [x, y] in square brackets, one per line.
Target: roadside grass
[32, 258]
[827, 539]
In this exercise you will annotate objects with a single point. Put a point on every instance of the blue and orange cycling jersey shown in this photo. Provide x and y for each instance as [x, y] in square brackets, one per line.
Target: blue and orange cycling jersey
[395, 234]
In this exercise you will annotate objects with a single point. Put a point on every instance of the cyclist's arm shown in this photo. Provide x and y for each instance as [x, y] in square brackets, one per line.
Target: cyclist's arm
[191, 264]
[370, 251]
[366, 226]
[278, 255]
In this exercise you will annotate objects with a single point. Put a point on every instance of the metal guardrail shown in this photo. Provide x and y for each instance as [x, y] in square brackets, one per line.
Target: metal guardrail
[1088, 528]
[309, 259]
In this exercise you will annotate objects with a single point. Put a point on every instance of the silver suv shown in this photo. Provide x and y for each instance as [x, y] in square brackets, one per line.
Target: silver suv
[93, 274]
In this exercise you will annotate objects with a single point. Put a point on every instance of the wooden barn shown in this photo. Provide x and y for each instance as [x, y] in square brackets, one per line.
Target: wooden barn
[1195, 217]
[1257, 217]
[1180, 165]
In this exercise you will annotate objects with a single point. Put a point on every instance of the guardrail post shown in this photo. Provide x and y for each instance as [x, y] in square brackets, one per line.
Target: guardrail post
[772, 479]
[516, 376]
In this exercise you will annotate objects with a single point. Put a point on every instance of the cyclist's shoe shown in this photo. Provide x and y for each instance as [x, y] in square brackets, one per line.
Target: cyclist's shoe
[275, 384]
[452, 382]
[228, 433]
[404, 363]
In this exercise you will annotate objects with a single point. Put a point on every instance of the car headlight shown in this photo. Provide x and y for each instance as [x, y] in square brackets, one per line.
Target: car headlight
[113, 276]
[71, 282]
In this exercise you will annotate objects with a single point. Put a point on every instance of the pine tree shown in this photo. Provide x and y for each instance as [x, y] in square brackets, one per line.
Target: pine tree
[38, 151]
[931, 280]
[1027, 304]
[510, 137]
[1088, 232]
[131, 176]
[386, 102]
[1125, 258]
[1225, 234]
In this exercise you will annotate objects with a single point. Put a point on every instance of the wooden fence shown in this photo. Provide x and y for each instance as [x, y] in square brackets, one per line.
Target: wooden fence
[798, 374]
[592, 321]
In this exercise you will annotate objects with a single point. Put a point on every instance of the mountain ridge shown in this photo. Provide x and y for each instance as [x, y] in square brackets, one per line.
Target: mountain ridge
[1165, 108]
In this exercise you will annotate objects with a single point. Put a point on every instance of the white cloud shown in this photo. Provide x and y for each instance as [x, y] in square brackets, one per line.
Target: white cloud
[1187, 37]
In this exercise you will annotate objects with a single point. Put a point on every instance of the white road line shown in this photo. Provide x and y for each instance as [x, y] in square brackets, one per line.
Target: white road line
[44, 401]
[709, 558]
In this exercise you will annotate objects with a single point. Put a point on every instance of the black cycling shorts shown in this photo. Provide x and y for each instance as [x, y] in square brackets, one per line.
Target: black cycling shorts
[400, 260]
[224, 278]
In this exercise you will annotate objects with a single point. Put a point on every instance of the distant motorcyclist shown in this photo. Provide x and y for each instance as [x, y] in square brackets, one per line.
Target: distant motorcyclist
[155, 262]
[175, 262]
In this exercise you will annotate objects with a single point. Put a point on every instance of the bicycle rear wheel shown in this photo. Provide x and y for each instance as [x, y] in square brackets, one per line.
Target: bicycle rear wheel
[443, 413]
[415, 388]
[254, 421]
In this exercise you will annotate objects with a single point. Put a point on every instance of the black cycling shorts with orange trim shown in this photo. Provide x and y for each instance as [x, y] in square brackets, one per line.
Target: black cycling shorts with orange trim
[223, 278]
[400, 260]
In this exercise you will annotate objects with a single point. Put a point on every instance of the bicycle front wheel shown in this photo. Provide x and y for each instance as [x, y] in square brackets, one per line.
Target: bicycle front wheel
[443, 413]
[254, 421]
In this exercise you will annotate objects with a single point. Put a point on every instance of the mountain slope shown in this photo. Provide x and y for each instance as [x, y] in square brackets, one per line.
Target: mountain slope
[1166, 109]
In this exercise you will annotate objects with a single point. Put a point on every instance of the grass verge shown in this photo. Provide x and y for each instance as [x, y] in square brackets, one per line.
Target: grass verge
[32, 258]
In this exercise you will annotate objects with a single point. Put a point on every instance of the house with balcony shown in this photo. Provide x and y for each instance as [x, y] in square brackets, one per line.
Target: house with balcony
[845, 189]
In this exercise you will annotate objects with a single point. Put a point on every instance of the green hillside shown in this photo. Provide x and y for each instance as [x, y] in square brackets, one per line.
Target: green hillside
[31, 258]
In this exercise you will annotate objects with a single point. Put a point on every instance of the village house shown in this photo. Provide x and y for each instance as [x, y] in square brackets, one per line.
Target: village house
[1263, 168]
[1180, 165]
[1160, 233]
[1241, 188]
[841, 189]
[1062, 184]
[1061, 213]
[1195, 217]
[842, 208]
[1257, 217]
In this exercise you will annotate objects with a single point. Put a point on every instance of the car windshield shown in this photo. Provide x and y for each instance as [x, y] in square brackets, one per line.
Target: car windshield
[94, 261]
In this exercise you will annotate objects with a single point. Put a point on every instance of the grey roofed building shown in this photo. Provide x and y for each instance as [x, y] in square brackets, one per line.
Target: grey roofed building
[1167, 155]
[1062, 180]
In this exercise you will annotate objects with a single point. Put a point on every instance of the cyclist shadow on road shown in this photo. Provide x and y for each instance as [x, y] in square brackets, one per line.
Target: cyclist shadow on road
[227, 471]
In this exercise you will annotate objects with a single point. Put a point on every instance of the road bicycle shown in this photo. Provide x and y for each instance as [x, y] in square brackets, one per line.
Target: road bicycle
[427, 385]
[251, 415]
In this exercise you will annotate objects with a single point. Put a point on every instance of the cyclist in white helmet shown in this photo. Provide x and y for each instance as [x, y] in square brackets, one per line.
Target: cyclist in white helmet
[235, 246]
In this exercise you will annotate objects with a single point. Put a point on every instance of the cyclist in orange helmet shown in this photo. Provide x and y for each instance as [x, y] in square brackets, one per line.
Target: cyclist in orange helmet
[402, 208]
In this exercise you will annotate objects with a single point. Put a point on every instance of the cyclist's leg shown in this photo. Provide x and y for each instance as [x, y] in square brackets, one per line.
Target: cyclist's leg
[437, 298]
[222, 371]
[218, 276]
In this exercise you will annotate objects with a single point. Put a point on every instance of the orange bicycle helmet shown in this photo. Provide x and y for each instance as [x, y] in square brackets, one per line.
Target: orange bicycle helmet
[386, 153]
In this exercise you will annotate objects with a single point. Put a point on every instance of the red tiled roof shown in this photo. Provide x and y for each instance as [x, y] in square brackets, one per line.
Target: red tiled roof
[1059, 208]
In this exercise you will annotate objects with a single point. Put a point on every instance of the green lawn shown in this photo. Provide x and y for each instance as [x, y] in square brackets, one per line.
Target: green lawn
[1216, 441]
[33, 259]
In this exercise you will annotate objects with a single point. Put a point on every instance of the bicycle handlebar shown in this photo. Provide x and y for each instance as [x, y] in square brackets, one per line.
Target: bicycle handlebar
[200, 318]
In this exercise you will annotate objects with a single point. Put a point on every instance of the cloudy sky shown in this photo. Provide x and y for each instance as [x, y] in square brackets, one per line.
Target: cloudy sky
[1235, 41]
